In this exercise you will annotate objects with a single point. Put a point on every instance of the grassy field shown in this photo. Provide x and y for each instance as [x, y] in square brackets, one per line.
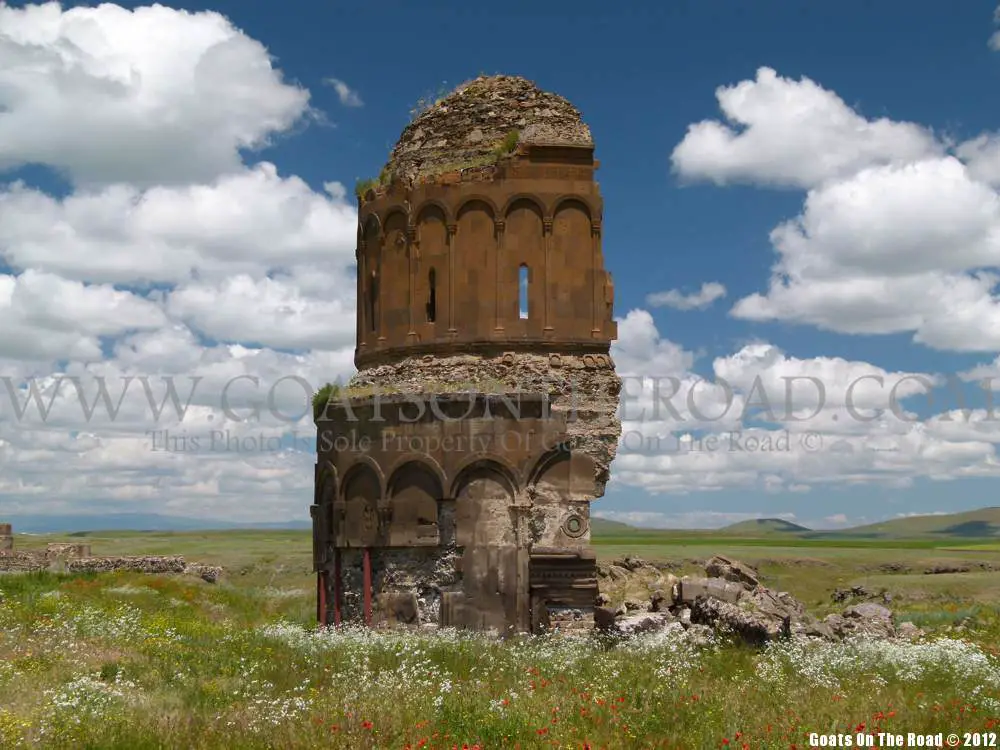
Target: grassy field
[131, 661]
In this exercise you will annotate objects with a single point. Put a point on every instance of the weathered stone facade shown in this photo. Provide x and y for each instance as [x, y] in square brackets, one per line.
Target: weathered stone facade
[454, 476]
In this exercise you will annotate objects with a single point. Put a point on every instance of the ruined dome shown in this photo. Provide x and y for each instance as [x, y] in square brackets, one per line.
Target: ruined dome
[480, 121]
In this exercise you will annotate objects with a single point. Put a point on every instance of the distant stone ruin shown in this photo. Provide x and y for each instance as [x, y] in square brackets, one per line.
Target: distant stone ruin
[77, 558]
[454, 475]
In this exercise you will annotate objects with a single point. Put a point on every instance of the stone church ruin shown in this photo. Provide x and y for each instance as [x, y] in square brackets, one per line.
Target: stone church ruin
[455, 471]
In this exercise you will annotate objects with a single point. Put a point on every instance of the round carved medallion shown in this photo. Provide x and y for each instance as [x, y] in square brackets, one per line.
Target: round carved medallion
[575, 525]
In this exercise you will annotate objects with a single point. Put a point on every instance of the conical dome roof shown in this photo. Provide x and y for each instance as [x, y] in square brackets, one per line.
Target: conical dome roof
[470, 126]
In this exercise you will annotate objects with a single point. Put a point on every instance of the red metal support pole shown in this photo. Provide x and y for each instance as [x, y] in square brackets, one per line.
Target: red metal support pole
[321, 597]
[336, 587]
[368, 586]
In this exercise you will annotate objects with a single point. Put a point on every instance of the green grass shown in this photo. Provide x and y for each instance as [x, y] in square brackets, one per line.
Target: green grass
[132, 661]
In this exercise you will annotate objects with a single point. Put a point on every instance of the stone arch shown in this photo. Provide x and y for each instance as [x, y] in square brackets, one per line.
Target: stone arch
[392, 211]
[394, 281]
[365, 473]
[430, 204]
[571, 198]
[426, 463]
[432, 252]
[369, 273]
[487, 462]
[572, 265]
[524, 245]
[478, 198]
[371, 226]
[565, 474]
[475, 264]
[484, 490]
[519, 198]
[414, 490]
[362, 489]
[327, 483]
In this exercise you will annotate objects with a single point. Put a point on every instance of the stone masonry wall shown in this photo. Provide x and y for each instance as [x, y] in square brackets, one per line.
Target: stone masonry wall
[587, 385]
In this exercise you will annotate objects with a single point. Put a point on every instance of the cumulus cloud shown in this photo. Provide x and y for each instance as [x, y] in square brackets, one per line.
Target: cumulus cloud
[897, 235]
[765, 420]
[785, 132]
[253, 221]
[703, 298]
[46, 317]
[166, 321]
[348, 96]
[149, 96]
[892, 249]
[269, 311]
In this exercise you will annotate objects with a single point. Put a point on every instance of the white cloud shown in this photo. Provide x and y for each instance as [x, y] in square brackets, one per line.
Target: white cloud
[892, 249]
[250, 222]
[865, 433]
[982, 156]
[896, 235]
[166, 241]
[348, 96]
[703, 298]
[271, 312]
[793, 133]
[46, 317]
[146, 96]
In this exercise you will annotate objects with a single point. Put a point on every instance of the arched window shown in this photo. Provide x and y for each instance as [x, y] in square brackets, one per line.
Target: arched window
[431, 296]
[522, 296]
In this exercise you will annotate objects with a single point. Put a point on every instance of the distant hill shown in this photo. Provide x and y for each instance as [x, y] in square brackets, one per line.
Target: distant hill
[64, 524]
[600, 526]
[984, 522]
[763, 526]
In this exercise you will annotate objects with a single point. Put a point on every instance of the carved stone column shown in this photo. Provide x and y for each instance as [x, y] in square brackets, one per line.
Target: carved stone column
[596, 327]
[498, 227]
[411, 244]
[362, 326]
[547, 234]
[520, 512]
[379, 291]
[452, 230]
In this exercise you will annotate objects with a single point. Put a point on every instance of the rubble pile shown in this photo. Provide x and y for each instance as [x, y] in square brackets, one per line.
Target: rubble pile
[728, 600]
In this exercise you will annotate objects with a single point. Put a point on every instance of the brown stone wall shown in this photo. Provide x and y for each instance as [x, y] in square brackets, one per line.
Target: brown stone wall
[6, 538]
[467, 240]
[450, 505]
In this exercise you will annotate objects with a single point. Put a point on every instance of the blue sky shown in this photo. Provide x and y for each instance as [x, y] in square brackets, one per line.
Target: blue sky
[642, 74]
